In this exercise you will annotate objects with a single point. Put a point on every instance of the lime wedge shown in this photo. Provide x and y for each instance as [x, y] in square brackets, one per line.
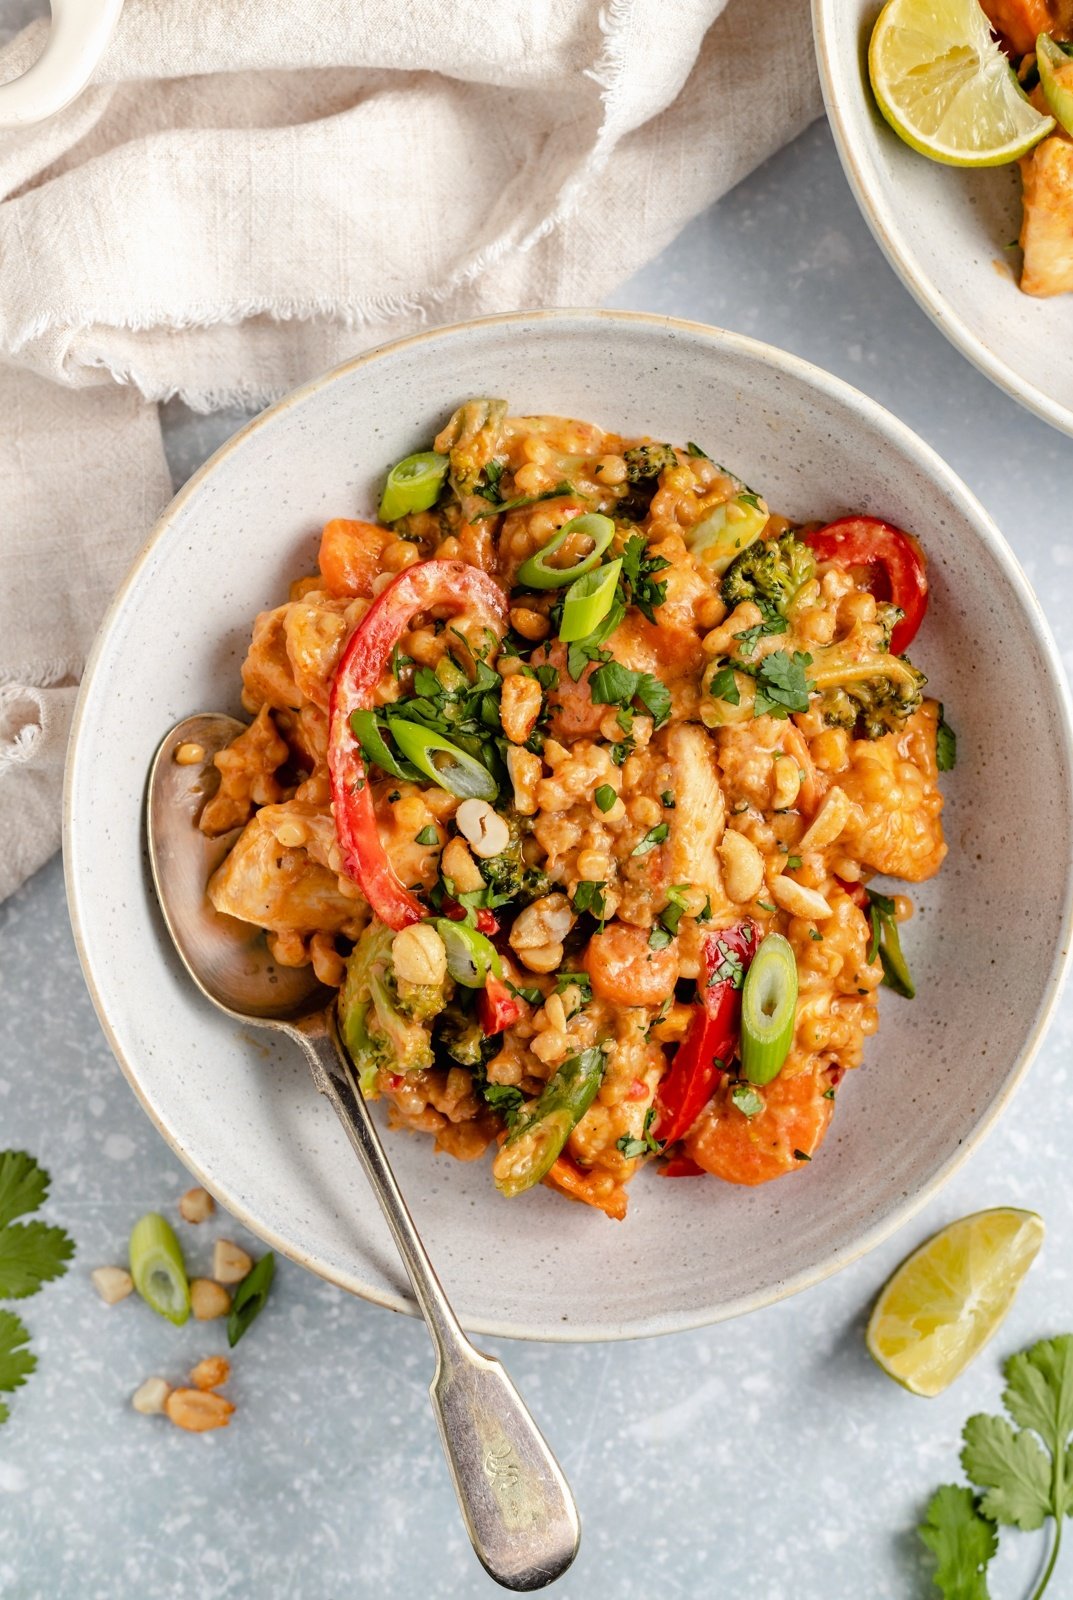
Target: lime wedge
[1056, 77]
[946, 1300]
[946, 88]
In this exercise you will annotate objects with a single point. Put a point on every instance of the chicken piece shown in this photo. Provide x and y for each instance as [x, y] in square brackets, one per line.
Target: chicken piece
[699, 814]
[1020, 21]
[315, 631]
[247, 771]
[282, 888]
[267, 677]
[1047, 227]
[894, 781]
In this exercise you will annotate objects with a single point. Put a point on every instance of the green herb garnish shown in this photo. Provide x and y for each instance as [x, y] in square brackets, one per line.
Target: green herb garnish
[605, 797]
[31, 1254]
[652, 838]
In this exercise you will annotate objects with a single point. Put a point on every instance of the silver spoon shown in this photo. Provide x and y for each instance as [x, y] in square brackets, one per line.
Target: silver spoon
[517, 1506]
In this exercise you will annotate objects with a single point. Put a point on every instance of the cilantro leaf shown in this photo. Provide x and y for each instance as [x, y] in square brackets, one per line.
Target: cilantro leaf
[605, 797]
[946, 745]
[748, 1102]
[16, 1361]
[962, 1542]
[724, 686]
[23, 1185]
[612, 684]
[589, 896]
[31, 1253]
[652, 838]
[1039, 1390]
[575, 980]
[781, 684]
[1012, 1467]
[504, 1098]
[638, 568]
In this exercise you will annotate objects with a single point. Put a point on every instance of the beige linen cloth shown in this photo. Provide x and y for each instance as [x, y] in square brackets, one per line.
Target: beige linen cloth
[253, 190]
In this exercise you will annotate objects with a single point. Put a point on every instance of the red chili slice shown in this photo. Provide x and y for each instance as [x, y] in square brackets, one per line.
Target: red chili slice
[497, 1008]
[451, 584]
[894, 558]
[707, 1049]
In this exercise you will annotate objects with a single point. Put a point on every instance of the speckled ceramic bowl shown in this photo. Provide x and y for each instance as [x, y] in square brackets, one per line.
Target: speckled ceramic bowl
[986, 946]
[945, 230]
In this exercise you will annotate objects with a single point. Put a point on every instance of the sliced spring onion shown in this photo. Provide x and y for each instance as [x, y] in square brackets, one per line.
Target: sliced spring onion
[250, 1297]
[536, 574]
[156, 1265]
[453, 769]
[374, 748]
[887, 941]
[413, 485]
[470, 956]
[768, 1009]
[530, 1149]
[587, 602]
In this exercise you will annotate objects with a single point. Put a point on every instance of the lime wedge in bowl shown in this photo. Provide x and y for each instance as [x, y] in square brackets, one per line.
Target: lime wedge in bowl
[946, 88]
[1056, 78]
[946, 1300]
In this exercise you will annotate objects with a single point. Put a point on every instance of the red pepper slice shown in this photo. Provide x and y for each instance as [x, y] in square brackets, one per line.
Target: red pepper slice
[897, 564]
[487, 921]
[681, 1167]
[712, 1040]
[497, 1008]
[452, 584]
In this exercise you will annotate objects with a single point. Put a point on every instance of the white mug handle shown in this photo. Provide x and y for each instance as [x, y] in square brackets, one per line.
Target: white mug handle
[76, 42]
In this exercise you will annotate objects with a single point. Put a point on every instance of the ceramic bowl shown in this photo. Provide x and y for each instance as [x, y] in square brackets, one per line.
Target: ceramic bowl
[985, 945]
[946, 231]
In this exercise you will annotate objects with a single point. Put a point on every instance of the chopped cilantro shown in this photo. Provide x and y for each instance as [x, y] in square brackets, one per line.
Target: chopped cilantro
[638, 568]
[605, 797]
[724, 686]
[828, 1094]
[490, 488]
[695, 450]
[612, 684]
[730, 969]
[946, 745]
[504, 1098]
[652, 838]
[799, 1155]
[429, 835]
[526, 500]
[765, 905]
[814, 933]
[667, 800]
[589, 896]
[620, 751]
[748, 1102]
[750, 499]
[529, 993]
[781, 684]
[659, 938]
[575, 980]
[793, 862]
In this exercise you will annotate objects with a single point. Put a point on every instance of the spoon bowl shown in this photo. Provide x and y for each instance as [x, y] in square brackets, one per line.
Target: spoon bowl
[516, 1504]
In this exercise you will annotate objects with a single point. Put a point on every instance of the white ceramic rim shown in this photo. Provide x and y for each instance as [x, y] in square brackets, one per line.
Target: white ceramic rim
[929, 462]
[884, 226]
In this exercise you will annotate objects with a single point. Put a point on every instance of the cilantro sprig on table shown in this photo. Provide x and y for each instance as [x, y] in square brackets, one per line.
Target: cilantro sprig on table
[31, 1254]
[1023, 1475]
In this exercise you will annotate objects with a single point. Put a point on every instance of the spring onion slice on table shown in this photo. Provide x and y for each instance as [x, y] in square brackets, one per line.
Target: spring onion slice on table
[156, 1265]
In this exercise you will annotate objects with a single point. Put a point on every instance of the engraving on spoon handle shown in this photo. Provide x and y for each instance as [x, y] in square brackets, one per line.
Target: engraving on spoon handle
[516, 1504]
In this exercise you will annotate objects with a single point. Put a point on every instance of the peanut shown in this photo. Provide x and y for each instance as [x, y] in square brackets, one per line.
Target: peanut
[419, 954]
[743, 866]
[208, 1300]
[485, 829]
[197, 1411]
[196, 1205]
[210, 1373]
[112, 1284]
[519, 707]
[230, 1263]
[457, 864]
[150, 1397]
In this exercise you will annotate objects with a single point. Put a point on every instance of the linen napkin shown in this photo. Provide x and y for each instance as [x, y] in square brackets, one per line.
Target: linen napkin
[248, 194]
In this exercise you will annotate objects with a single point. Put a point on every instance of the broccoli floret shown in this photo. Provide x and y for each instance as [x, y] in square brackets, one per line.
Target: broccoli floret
[459, 1035]
[383, 1022]
[769, 573]
[648, 461]
[509, 876]
[862, 686]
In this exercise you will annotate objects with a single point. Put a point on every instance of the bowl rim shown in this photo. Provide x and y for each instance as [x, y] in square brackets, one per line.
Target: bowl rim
[898, 432]
[883, 223]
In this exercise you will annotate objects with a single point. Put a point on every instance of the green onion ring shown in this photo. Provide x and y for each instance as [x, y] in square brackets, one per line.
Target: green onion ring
[588, 600]
[536, 574]
[470, 956]
[413, 484]
[456, 770]
[768, 1010]
[156, 1265]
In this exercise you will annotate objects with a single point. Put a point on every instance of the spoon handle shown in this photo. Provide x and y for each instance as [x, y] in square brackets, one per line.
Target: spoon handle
[517, 1505]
